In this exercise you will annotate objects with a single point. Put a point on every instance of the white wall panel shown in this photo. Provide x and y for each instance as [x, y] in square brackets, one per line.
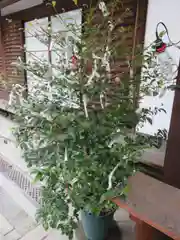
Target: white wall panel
[166, 11]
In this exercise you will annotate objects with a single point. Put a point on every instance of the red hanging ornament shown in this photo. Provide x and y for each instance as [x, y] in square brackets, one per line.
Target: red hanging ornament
[74, 60]
[161, 47]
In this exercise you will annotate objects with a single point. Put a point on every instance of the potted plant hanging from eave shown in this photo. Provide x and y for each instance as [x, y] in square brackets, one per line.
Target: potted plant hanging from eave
[76, 126]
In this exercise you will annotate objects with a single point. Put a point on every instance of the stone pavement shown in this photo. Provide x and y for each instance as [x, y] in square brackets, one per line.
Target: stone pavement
[15, 224]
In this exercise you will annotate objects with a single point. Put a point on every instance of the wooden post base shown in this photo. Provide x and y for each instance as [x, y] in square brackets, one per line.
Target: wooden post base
[143, 231]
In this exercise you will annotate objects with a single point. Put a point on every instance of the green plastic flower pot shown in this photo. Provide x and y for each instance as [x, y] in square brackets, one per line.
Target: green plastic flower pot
[96, 227]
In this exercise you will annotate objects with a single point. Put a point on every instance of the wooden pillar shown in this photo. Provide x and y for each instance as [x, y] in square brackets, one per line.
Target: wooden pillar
[172, 157]
[144, 231]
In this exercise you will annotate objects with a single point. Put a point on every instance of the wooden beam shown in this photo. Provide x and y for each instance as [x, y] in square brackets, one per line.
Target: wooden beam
[5, 3]
[44, 10]
[172, 156]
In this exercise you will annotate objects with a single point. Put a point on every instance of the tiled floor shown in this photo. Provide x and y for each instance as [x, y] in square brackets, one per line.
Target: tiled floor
[14, 222]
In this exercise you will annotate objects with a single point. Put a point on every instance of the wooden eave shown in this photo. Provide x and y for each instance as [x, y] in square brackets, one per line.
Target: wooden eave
[5, 3]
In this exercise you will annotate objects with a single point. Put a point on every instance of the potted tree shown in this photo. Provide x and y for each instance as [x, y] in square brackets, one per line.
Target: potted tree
[76, 126]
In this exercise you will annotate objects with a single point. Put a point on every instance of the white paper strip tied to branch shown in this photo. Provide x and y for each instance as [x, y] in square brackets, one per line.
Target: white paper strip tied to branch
[110, 183]
[101, 100]
[103, 8]
[65, 154]
[85, 105]
[111, 176]
[16, 93]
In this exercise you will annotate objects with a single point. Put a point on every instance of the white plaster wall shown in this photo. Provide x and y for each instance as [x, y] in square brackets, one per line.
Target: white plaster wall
[166, 11]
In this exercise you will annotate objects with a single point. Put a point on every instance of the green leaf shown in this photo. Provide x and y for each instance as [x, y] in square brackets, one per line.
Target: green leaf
[110, 194]
[162, 33]
[38, 177]
[62, 137]
[174, 87]
[162, 110]
[54, 4]
[125, 190]
[76, 2]
[149, 120]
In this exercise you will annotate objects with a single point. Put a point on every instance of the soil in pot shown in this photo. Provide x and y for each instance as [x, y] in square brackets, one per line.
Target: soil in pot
[96, 227]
